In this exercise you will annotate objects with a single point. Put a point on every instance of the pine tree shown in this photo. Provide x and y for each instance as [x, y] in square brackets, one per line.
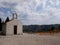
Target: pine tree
[0, 20]
[7, 19]
[0, 24]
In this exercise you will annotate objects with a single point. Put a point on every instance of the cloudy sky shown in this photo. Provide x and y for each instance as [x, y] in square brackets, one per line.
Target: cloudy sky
[32, 11]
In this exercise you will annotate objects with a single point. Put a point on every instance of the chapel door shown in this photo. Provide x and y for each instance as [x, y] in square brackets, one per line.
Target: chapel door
[15, 29]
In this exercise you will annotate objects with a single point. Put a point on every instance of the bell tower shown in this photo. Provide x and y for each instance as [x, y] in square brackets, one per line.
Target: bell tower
[15, 16]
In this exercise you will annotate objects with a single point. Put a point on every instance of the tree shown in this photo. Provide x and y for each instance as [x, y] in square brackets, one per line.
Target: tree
[7, 19]
[0, 20]
[0, 24]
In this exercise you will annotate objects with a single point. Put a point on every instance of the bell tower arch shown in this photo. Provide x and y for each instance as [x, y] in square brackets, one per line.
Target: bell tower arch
[15, 16]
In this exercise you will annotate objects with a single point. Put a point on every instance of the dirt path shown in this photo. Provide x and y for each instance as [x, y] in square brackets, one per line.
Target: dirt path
[29, 39]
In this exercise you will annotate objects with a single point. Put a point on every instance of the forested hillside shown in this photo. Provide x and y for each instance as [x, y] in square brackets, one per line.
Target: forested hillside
[41, 28]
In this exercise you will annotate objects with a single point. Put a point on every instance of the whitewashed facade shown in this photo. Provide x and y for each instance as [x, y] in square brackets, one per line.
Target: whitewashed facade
[12, 27]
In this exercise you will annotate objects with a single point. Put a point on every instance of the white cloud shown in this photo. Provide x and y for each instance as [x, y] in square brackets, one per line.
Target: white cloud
[2, 16]
[39, 18]
[28, 8]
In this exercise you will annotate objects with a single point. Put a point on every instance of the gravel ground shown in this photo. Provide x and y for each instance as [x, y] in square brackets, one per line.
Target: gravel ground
[30, 39]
